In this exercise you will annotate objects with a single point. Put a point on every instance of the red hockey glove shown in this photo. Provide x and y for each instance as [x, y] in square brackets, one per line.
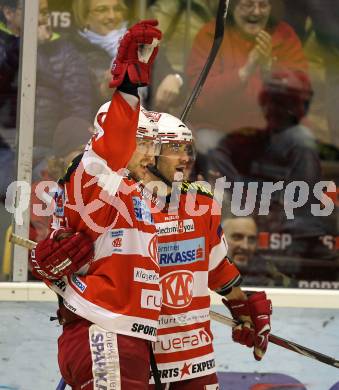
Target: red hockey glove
[63, 253]
[136, 53]
[254, 315]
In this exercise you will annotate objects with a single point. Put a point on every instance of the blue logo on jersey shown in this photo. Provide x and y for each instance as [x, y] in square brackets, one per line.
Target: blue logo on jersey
[114, 233]
[181, 252]
[78, 283]
[142, 211]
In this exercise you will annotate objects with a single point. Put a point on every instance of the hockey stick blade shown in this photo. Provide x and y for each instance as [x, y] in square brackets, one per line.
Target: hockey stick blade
[287, 344]
[217, 40]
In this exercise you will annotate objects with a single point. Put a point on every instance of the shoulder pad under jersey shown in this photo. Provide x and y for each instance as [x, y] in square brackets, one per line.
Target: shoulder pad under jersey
[187, 186]
[71, 168]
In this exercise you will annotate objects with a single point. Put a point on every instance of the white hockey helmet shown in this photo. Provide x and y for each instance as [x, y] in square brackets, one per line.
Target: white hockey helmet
[147, 126]
[172, 129]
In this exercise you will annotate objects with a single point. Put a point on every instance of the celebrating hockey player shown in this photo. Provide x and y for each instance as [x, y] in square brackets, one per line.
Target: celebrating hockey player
[109, 310]
[192, 254]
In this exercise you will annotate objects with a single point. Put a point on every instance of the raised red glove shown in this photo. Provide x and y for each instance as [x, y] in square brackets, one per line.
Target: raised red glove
[255, 326]
[136, 53]
[63, 253]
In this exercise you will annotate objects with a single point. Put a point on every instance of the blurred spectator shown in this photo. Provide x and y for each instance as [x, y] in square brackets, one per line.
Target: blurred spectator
[7, 163]
[324, 15]
[241, 235]
[9, 65]
[62, 85]
[254, 45]
[284, 150]
[66, 146]
[180, 21]
[10, 11]
[100, 24]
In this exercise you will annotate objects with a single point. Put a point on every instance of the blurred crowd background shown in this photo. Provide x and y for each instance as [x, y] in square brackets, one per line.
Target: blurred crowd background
[269, 112]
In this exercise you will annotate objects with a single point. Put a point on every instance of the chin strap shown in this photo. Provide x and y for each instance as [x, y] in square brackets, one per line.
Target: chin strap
[154, 170]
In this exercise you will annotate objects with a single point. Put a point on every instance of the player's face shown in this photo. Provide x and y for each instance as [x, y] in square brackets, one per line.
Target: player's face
[251, 16]
[176, 160]
[241, 235]
[143, 156]
[105, 15]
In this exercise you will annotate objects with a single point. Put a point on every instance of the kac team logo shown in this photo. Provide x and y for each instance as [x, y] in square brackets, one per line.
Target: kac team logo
[117, 240]
[177, 289]
[152, 249]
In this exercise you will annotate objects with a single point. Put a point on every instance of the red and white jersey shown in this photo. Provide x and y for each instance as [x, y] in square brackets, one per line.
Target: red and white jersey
[192, 257]
[119, 290]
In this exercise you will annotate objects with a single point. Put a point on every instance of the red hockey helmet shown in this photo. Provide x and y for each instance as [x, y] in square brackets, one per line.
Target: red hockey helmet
[289, 90]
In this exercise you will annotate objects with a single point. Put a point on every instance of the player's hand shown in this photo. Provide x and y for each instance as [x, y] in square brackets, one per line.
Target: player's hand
[136, 54]
[254, 326]
[260, 309]
[63, 253]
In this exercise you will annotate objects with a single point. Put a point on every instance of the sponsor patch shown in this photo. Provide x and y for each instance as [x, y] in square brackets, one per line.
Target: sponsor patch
[117, 236]
[116, 233]
[78, 283]
[191, 317]
[190, 369]
[105, 358]
[69, 306]
[60, 284]
[181, 252]
[145, 329]
[175, 227]
[142, 211]
[182, 370]
[182, 341]
[145, 276]
[151, 299]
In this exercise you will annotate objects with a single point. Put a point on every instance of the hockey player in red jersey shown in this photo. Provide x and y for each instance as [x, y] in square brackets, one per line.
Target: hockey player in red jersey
[192, 254]
[109, 291]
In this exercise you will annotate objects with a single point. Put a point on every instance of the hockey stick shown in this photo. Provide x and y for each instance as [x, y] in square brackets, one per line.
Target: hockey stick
[287, 344]
[217, 40]
[61, 385]
[21, 241]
